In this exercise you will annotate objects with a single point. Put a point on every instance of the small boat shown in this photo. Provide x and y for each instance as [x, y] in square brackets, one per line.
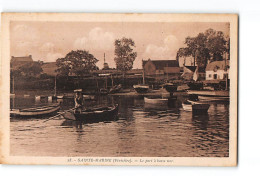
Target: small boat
[115, 89]
[141, 88]
[93, 115]
[195, 106]
[159, 101]
[88, 97]
[170, 87]
[36, 111]
[208, 95]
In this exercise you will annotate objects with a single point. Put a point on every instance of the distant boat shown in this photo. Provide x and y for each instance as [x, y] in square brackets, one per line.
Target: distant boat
[159, 101]
[89, 97]
[141, 88]
[36, 111]
[93, 115]
[196, 107]
[170, 87]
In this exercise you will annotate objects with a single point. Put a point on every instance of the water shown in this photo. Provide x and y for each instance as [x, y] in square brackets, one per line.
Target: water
[140, 130]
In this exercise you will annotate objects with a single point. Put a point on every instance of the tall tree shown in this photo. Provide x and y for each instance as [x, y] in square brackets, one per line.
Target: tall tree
[208, 46]
[124, 54]
[78, 62]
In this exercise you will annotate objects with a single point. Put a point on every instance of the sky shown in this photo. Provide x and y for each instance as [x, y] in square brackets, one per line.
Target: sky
[48, 41]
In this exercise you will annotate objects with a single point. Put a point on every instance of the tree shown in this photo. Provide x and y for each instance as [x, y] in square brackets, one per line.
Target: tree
[208, 46]
[78, 62]
[30, 69]
[124, 54]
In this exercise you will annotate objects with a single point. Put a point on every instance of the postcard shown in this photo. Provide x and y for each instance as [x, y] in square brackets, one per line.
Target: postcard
[119, 89]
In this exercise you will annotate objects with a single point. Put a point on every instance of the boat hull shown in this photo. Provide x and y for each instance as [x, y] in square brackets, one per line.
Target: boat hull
[35, 112]
[196, 107]
[170, 87]
[94, 115]
[211, 95]
[159, 101]
[141, 88]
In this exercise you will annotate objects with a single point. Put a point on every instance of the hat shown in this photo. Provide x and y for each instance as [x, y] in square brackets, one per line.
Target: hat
[78, 90]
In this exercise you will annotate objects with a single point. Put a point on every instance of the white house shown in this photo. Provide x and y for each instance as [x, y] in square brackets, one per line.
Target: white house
[217, 70]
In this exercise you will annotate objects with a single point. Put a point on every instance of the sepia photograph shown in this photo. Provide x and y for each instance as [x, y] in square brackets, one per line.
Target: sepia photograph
[119, 89]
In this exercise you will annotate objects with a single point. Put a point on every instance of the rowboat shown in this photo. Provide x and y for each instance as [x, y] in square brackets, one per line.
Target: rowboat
[159, 101]
[208, 95]
[93, 115]
[196, 107]
[141, 88]
[36, 111]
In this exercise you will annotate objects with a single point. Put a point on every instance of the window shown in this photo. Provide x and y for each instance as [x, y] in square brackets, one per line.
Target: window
[210, 75]
[225, 76]
[215, 76]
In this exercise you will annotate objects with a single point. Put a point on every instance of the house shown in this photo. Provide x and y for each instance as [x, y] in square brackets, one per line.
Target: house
[17, 62]
[217, 70]
[161, 68]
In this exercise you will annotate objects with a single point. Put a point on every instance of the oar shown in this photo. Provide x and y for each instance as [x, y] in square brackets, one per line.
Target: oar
[59, 114]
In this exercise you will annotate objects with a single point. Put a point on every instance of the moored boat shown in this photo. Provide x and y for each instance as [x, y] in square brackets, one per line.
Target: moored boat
[35, 111]
[141, 88]
[170, 87]
[195, 106]
[159, 101]
[211, 95]
[93, 115]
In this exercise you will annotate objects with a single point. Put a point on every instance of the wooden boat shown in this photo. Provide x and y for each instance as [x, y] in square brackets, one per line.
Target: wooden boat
[115, 88]
[170, 87]
[36, 111]
[159, 101]
[141, 88]
[208, 95]
[195, 106]
[93, 115]
[89, 97]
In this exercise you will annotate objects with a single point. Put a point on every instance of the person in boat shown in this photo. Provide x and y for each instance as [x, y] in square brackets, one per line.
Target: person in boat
[79, 101]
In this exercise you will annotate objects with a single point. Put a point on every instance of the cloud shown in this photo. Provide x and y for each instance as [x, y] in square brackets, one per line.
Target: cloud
[167, 51]
[47, 47]
[23, 32]
[52, 57]
[96, 39]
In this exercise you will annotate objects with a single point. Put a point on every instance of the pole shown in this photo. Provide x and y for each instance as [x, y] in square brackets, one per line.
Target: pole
[55, 86]
[13, 84]
[143, 72]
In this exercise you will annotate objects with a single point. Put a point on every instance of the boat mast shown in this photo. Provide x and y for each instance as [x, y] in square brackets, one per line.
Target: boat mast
[143, 72]
[112, 80]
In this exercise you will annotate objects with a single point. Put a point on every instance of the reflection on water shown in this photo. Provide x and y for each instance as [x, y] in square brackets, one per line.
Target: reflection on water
[139, 130]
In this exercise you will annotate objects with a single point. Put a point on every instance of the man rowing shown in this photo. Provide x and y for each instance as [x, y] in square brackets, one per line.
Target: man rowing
[79, 101]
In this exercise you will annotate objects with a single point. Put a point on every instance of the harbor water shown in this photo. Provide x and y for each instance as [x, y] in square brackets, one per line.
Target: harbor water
[139, 130]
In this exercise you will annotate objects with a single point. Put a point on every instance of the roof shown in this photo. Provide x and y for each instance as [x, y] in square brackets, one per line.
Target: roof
[193, 68]
[160, 64]
[217, 65]
[22, 59]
